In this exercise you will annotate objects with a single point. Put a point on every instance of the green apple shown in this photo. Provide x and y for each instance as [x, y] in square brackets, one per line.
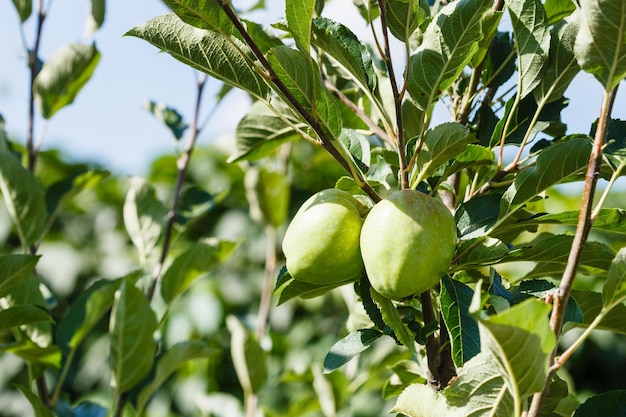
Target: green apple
[407, 243]
[321, 244]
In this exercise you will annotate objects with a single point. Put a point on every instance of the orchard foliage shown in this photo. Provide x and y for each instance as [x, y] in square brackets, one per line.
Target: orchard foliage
[493, 336]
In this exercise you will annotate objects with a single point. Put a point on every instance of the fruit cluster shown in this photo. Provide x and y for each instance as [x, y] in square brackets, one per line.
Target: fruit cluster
[405, 243]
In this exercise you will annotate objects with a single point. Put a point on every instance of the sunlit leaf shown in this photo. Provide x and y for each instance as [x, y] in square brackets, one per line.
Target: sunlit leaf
[210, 52]
[15, 270]
[608, 219]
[24, 8]
[97, 12]
[22, 315]
[268, 194]
[299, 14]
[419, 400]
[532, 41]
[601, 42]
[392, 318]
[614, 290]
[131, 331]
[63, 76]
[248, 356]
[558, 9]
[403, 17]
[348, 347]
[203, 14]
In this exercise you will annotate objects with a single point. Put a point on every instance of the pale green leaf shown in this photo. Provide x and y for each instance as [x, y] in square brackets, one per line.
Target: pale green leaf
[449, 43]
[562, 65]
[392, 318]
[338, 42]
[131, 331]
[189, 265]
[299, 14]
[455, 299]
[614, 291]
[608, 219]
[40, 409]
[419, 400]
[557, 10]
[15, 269]
[601, 41]
[268, 194]
[63, 76]
[481, 389]
[97, 12]
[524, 328]
[555, 164]
[403, 17]
[347, 348]
[169, 362]
[23, 315]
[203, 14]
[22, 195]
[441, 144]
[532, 41]
[224, 58]
[24, 8]
[144, 217]
[248, 356]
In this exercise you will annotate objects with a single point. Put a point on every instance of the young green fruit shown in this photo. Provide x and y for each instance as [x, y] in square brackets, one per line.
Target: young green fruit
[321, 244]
[407, 243]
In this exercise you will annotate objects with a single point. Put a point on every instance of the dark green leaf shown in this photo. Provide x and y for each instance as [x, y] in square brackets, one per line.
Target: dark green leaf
[487, 251]
[403, 17]
[169, 362]
[22, 315]
[24, 8]
[169, 117]
[455, 300]
[23, 196]
[348, 347]
[601, 41]
[263, 37]
[532, 41]
[203, 14]
[62, 192]
[193, 204]
[289, 288]
[337, 41]
[63, 76]
[609, 220]
[562, 66]
[144, 217]
[299, 14]
[132, 341]
[555, 164]
[448, 45]
[15, 270]
[196, 260]
[614, 290]
[500, 65]
[607, 404]
[472, 156]
[392, 318]
[40, 409]
[209, 52]
[97, 13]
[474, 217]
[591, 303]
[248, 357]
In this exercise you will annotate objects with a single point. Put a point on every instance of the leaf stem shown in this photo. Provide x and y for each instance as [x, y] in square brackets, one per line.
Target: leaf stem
[182, 165]
[580, 237]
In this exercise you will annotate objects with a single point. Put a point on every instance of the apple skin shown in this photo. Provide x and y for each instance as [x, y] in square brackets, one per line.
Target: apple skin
[407, 243]
[321, 244]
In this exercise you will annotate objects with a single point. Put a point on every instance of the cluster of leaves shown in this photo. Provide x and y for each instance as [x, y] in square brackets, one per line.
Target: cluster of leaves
[318, 82]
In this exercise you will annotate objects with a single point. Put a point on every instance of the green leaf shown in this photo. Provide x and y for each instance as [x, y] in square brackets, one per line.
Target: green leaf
[609, 219]
[144, 217]
[38, 357]
[132, 342]
[392, 318]
[491, 21]
[601, 41]
[23, 197]
[299, 14]
[555, 164]
[419, 400]
[557, 10]
[169, 362]
[441, 144]
[524, 328]
[221, 57]
[268, 195]
[23, 315]
[607, 404]
[477, 215]
[455, 300]
[261, 131]
[24, 8]
[196, 260]
[289, 288]
[63, 76]
[248, 357]
[481, 389]
[403, 17]
[203, 14]
[40, 409]
[338, 42]
[348, 347]
[173, 120]
[262, 36]
[62, 192]
[96, 16]
[562, 65]
[532, 41]
[591, 303]
[473, 156]
[358, 146]
[15, 269]
[614, 290]
[487, 251]
[449, 42]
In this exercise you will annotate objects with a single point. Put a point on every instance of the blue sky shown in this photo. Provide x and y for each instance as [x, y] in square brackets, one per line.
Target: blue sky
[107, 123]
